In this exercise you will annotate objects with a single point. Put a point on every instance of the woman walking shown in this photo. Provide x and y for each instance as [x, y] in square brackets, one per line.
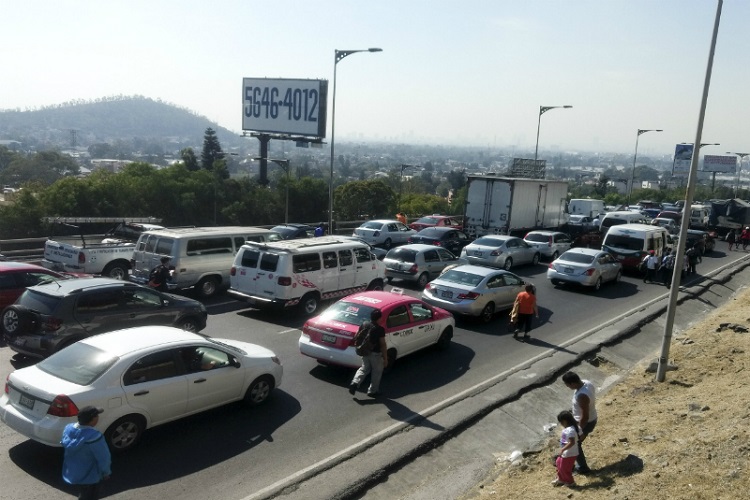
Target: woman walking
[526, 301]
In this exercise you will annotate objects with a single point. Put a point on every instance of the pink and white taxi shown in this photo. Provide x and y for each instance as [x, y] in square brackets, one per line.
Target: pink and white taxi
[410, 325]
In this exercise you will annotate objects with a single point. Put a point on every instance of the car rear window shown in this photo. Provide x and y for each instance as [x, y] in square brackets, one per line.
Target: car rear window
[461, 277]
[537, 238]
[269, 262]
[372, 225]
[489, 242]
[427, 220]
[348, 312]
[402, 255]
[79, 364]
[39, 302]
[579, 258]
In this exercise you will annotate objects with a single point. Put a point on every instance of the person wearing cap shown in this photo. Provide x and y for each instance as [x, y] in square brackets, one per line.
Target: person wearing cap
[87, 460]
[159, 276]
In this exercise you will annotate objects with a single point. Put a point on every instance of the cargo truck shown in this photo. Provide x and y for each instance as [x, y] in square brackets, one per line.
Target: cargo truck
[502, 205]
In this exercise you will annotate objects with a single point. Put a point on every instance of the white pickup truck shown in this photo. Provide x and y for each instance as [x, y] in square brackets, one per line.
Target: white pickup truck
[110, 258]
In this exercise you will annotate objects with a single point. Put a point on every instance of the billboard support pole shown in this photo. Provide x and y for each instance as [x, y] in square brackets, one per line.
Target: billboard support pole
[264, 140]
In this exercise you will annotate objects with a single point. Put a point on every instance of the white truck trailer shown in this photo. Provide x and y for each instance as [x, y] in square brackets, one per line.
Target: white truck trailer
[502, 205]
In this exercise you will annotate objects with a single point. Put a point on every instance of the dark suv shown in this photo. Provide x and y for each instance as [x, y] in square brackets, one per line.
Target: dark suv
[294, 231]
[49, 317]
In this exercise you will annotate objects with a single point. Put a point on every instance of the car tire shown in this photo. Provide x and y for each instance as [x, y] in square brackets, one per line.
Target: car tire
[387, 244]
[444, 342]
[116, 271]
[597, 284]
[259, 390]
[535, 260]
[17, 319]
[376, 285]
[207, 287]
[554, 256]
[423, 279]
[618, 277]
[488, 312]
[188, 324]
[508, 263]
[125, 433]
[309, 304]
[556, 282]
[389, 280]
[392, 356]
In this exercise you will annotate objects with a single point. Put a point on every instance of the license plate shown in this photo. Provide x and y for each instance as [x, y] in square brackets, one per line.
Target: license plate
[446, 295]
[19, 341]
[327, 337]
[27, 402]
[568, 270]
[476, 254]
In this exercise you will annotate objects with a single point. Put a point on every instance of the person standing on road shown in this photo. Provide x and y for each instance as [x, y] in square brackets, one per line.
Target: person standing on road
[376, 361]
[566, 460]
[652, 264]
[584, 412]
[526, 308]
[745, 238]
[693, 257]
[667, 266]
[159, 276]
[87, 460]
[731, 238]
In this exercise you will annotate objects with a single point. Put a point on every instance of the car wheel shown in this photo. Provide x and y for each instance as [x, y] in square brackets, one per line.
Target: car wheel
[508, 263]
[488, 312]
[389, 280]
[125, 433]
[387, 244]
[556, 282]
[188, 324]
[444, 342]
[17, 319]
[207, 287]
[116, 271]
[598, 283]
[535, 260]
[259, 390]
[423, 279]
[392, 355]
[555, 255]
[376, 285]
[618, 277]
[309, 304]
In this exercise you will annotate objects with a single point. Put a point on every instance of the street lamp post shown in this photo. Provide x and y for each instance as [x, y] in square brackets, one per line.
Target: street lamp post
[542, 110]
[739, 171]
[338, 55]
[635, 156]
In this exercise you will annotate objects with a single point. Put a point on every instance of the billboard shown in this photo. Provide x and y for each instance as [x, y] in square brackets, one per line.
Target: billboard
[285, 106]
[721, 164]
[683, 155]
[528, 169]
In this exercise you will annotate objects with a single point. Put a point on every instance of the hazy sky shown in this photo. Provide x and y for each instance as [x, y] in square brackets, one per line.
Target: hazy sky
[462, 72]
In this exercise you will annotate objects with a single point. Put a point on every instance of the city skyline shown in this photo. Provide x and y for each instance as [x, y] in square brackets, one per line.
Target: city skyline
[473, 74]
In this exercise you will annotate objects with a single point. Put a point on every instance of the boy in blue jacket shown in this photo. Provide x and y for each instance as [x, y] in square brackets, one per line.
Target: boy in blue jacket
[87, 459]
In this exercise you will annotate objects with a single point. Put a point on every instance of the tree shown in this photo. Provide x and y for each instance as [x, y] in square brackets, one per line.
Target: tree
[211, 149]
[189, 159]
[358, 199]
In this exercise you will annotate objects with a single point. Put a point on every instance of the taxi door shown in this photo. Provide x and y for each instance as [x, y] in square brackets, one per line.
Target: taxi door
[407, 333]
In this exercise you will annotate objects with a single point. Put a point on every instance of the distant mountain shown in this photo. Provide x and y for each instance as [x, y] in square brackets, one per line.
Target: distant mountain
[135, 119]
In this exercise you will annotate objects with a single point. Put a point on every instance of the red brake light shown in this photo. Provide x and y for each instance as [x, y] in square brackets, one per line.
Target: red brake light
[52, 324]
[81, 258]
[437, 243]
[7, 386]
[233, 271]
[285, 281]
[495, 253]
[590, 272]
[413, 269]
[62, 406]
[551, 266]
[468, 296]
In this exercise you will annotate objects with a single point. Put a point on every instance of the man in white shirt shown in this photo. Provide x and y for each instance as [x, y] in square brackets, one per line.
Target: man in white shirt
[584, 411]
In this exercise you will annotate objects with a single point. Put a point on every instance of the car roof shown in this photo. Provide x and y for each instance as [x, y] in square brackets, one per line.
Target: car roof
[69, 286]
[378, 299]
[129, 340]
[20, 266]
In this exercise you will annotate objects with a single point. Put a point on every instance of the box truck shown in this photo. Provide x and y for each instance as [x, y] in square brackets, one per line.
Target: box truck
[502, 205]
[587, 207]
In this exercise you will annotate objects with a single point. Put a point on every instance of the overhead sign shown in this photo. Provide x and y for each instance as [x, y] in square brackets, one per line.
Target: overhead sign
[683, 155]
[285, 106]
[721, 164]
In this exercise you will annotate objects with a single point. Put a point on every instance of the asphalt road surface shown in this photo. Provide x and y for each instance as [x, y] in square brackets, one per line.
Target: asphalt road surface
[234, 452]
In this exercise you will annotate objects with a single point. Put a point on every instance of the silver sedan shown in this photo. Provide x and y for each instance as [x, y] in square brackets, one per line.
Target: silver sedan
[584, 266]
[384, 232]
[474, 291]
[500, 251]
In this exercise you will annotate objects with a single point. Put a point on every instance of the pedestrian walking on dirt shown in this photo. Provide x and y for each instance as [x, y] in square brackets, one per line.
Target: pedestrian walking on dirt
[569, 450]
[375, 356]
[526, 301]
[584, 412]
[731, 238]
[87, 459]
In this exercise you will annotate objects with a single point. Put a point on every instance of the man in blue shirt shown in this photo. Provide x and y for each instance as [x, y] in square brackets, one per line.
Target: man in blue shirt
[87, 460]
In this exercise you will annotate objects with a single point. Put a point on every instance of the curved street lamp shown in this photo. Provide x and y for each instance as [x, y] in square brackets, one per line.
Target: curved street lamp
[338, 55]
[739, 170]
[542, 110]
[632, 174]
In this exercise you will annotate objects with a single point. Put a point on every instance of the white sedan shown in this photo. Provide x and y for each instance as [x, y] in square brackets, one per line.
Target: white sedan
[141, 377]
[384, 232]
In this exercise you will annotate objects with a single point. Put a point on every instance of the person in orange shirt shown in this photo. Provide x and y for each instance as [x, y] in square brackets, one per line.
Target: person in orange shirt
[401, 217]
[526, 309]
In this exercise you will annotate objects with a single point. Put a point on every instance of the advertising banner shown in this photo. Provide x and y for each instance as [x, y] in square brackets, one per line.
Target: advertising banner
[683, 155]
[285, 106]
[721, 164]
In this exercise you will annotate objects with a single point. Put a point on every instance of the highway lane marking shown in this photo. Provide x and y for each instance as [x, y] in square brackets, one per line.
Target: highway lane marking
[288, 331]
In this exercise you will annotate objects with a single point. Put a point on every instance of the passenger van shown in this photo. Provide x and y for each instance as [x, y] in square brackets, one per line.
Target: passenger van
[698, 216]
[304, 272]
[629, 243]
[587, 207]
[201, 256]
[620, 217]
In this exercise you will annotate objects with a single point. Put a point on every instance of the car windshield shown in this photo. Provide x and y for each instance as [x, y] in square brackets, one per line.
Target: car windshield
[461, 277]
[402, 255]
[427, 220]
[372, 225]
[79, 364]
[38, 302]
[274, 237]
[489, 242]
[624, 242]
[578, 258]
[285, 231]
[347, 312]
[537, 238]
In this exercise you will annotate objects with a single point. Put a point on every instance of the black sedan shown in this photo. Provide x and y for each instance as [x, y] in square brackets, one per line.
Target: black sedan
[451, 239]
[293, 231]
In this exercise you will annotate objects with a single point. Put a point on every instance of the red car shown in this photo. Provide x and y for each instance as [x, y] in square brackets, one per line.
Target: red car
[436, 221]
[15, 277]
[410, 324]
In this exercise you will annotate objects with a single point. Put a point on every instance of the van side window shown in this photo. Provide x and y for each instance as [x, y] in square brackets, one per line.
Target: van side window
[345, 256]
[239, 240]
[209, 246]
[330, 260]
[250, 258]
[362, 254]
[305, 262]
[151, 244]
[268, 262]
[141, 243]
[164, 246]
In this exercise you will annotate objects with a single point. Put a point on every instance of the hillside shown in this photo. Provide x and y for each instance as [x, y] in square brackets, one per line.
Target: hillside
[110, 119]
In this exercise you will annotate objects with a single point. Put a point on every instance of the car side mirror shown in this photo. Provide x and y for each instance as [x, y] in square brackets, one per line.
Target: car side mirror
[234, 362]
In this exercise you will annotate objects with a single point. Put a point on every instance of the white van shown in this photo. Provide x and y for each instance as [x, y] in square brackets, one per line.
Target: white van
[586, 207]
[620, 217]
[698, 215]
[629, 243]
[201, 256]
[304, 272]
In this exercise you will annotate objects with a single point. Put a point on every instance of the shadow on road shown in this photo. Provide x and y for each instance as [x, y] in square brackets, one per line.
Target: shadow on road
[399, 412]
